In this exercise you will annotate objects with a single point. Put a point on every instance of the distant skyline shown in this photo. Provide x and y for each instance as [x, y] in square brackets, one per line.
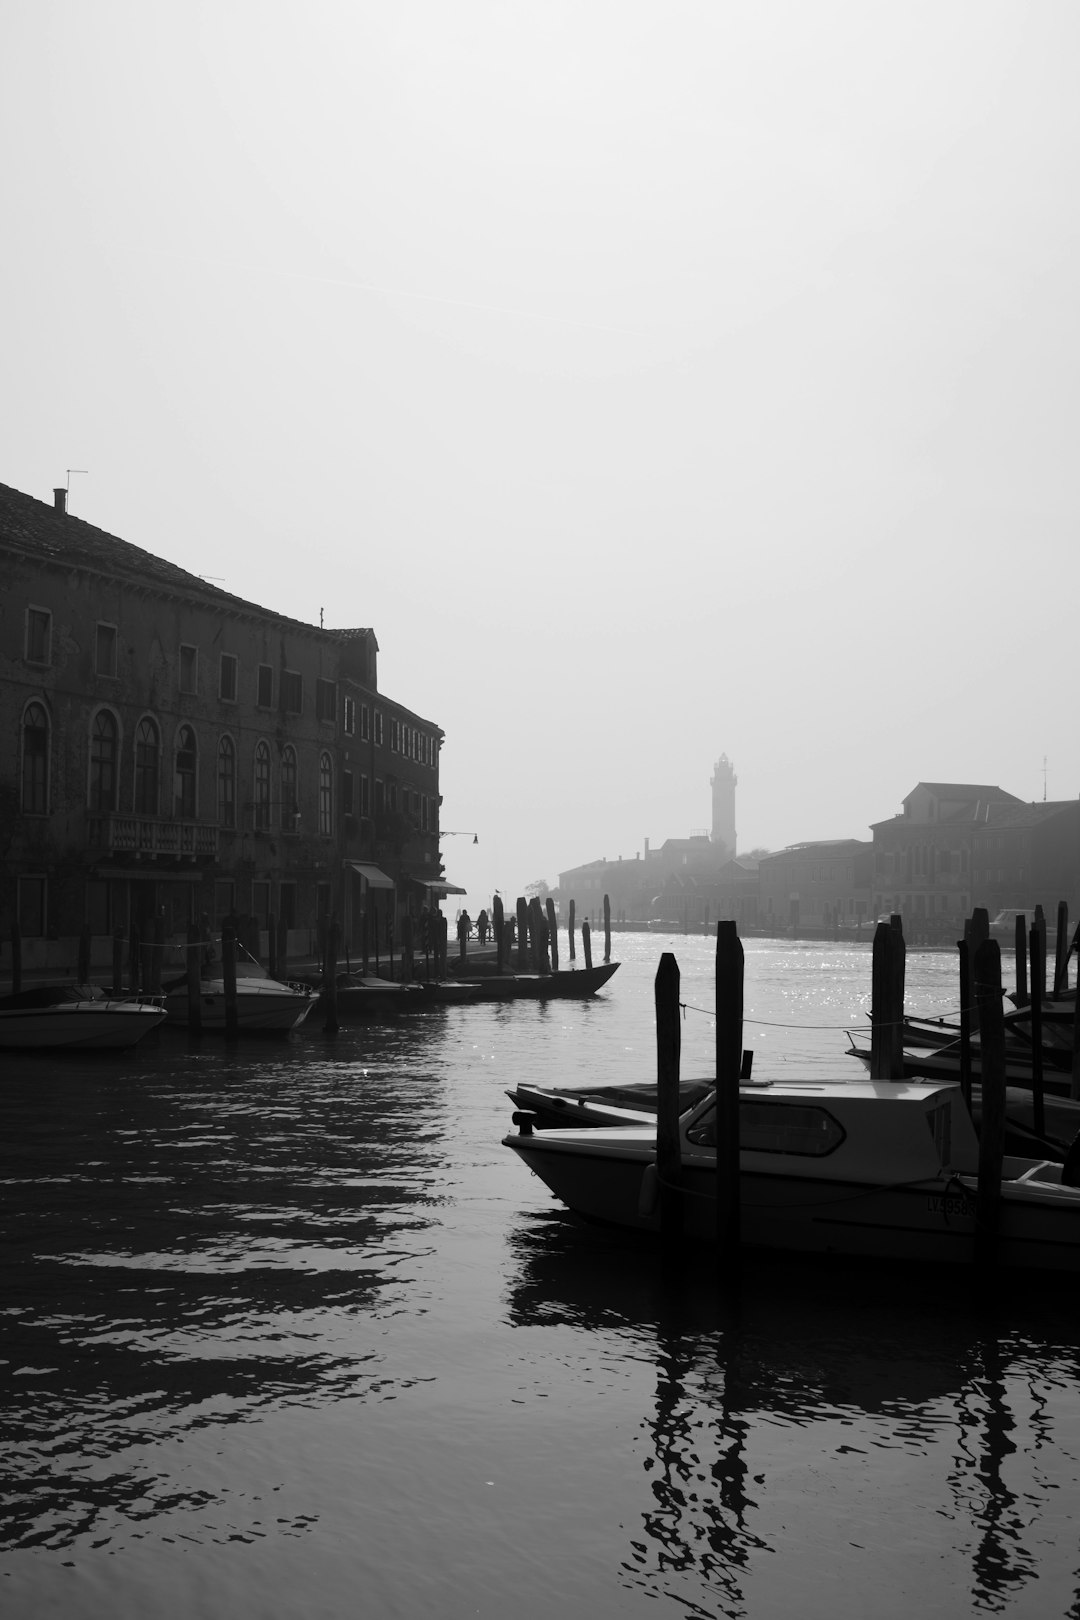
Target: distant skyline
[657, 381]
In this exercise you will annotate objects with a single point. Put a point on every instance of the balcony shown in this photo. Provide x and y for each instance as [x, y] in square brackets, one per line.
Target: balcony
[149, 836]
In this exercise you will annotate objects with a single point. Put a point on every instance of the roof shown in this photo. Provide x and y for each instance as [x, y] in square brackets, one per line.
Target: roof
[44, 534]
[963, 791]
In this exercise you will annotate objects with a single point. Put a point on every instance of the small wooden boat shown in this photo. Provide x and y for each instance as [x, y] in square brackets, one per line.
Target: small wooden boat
[74, 1017]
[594, 1107]
[876, 1169]
[565, 983]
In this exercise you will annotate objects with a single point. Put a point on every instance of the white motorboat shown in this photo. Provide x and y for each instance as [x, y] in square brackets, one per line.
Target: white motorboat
[882, 1170]
[73, 1017]
[263, 1005]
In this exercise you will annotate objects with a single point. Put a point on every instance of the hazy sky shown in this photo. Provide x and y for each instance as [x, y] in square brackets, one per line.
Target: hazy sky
[659, 380]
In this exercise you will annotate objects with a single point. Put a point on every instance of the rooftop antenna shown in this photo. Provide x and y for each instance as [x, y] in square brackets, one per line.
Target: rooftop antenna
[85, 471]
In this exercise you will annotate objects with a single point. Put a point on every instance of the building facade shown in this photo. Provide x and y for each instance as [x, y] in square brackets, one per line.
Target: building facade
[171, 751]
[818, 885]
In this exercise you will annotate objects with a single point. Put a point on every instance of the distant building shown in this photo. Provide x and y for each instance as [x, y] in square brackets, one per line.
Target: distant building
[955, 846]
[816, 885]
[171, 750]
[723, 783]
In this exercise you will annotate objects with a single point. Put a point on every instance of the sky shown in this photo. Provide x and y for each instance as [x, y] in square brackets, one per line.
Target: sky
[659, 380]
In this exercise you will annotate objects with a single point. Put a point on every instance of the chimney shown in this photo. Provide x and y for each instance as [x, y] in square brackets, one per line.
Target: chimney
[60, 499]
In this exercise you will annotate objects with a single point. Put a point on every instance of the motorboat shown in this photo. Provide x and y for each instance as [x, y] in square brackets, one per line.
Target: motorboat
[74, 1017]
[263, 1005]
[593, 1107]
[366, 995]
[877, 1169]
[562, 984]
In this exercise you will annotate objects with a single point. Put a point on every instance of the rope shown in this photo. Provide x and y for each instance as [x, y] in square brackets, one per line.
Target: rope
[772, 1023]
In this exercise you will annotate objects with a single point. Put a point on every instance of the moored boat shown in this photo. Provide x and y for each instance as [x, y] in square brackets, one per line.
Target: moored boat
[882, 1170]
[263, 1005]
[73, 1017]
[565, 983]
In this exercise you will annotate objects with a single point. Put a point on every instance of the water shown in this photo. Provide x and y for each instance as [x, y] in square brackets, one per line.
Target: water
[290, 1333]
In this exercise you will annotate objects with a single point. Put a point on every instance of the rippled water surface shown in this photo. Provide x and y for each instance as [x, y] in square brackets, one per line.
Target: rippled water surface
[288, 1332]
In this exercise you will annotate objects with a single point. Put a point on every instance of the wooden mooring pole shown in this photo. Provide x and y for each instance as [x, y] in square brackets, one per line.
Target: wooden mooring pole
[1061, 952]
[992, 1124]
[553, 934]
[228, 976]
[194, 977]
[729, 1066]
[333, 945]
[1021, 962]
[570, 930]
[118, 962]
[607, 928]
[522, 934]
[1038, 980]
[884, 1013]
[586, 942]
[668, 1046]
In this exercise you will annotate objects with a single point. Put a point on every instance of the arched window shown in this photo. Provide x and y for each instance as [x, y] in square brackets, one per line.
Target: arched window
[147, 768]
[35, 760]
[186, 760]
[104, 748]
[262, 787]
[226, 783]
[289, 806]
[326, 796]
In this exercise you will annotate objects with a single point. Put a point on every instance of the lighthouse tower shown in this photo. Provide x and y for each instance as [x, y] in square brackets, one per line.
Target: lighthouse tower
[724, 782]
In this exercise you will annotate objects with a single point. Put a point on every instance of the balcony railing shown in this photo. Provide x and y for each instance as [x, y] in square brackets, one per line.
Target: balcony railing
[149, 836]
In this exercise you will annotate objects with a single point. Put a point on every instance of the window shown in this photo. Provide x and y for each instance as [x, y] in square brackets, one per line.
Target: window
[189, 669]
[292, 692]
[290, 808]
[32, 907]
[325, 700]
[365, 729]
[392, 797]
[423, 748]
[185, 774]
[378, 728]
[365, 797]
[395, 734]
[228, 678]
[350, 716]
[423, 812]
[38, 635]
[347, 792]
[260, 903]
[287, 905]
[776, 1128]
[261, 803]
[35, 760]
[226, 783]
[105, 650]
[265, 694]
[380, 797]
[326, 796]
[104, 746]
[147, 768]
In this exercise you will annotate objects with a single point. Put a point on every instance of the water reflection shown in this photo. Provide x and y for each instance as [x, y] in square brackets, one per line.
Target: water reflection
[813, 1372]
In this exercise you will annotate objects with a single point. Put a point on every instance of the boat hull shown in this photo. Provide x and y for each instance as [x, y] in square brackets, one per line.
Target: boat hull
[263, 1006]
[566, 984]
[79, 1026]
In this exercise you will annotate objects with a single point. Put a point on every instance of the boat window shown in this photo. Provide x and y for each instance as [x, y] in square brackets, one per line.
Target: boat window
[776, 1127]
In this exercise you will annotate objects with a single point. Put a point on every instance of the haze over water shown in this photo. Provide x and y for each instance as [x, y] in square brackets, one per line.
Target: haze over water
[290, 1332]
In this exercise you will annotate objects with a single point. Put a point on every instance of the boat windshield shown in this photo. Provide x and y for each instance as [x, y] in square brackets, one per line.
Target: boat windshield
[776, 1127]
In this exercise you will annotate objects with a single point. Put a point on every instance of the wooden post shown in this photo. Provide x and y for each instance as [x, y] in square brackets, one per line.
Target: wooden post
[282, 948]
[1074, 1083]
[881, 1009]
[83, 970]
[1021, 963]
[194, 979]
[389, 943]
[157, 952]
[729, 1062]
[333, 945]
[1040, 924]
[16, 959]
[992, 1127]
[607, 929]
[499, 926]
[118, 962]
[133, 959]
[272, 946]
[896, 998]
[964, 949]
[523, 934]
[586, 943]
[1038, 976]
[1061, 954]
[553, 934]
[570, 930]
[228, 975]
[407, 947]
[442, 945]
[668, 1044]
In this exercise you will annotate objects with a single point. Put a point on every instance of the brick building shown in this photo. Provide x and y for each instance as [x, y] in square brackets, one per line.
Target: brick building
[816, 885]
[171, 750]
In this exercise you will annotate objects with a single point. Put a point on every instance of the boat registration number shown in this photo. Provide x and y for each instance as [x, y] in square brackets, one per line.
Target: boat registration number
[947, 1204]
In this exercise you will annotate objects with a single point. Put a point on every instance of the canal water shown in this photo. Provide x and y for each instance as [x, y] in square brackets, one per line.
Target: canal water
[287, 1332]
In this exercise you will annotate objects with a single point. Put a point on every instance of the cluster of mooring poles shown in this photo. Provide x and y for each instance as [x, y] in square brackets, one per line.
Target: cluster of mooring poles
[733, 1066]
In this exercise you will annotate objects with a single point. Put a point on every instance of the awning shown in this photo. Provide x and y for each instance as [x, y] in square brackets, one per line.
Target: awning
[438, 888]
[374, 878]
